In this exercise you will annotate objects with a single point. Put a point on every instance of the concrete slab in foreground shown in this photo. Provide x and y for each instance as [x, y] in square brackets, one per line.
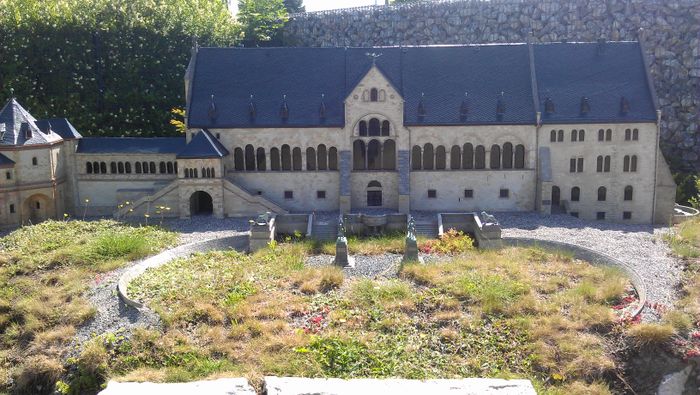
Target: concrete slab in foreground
[236, 386]
[473, 386]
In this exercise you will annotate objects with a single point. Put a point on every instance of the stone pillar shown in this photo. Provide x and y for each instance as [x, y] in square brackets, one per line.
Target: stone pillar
[345, 166]
[404, 167]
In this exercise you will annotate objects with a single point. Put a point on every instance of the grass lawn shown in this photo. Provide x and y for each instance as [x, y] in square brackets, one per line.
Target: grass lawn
[44, 269]
[509, 313]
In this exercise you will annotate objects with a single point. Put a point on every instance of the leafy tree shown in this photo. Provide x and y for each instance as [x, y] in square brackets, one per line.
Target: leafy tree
[112, 67]
[261, 20]
[293, 6]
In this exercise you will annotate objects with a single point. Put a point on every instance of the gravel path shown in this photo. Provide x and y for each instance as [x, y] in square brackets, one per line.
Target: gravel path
[371, 266]
[640, 246]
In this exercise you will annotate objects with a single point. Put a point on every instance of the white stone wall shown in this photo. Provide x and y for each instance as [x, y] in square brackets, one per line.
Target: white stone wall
[303, 184]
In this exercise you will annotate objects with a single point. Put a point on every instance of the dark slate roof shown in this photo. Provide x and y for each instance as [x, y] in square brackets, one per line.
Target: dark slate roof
[6, 162]
[437, 75]
[131, 145]
[60, 126]
[568, 71]
[203, 145]
[17, 122]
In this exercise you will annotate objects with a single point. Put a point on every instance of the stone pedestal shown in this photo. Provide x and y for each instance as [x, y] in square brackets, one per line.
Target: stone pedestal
[342, 254]
[410, 252]
[262, 232]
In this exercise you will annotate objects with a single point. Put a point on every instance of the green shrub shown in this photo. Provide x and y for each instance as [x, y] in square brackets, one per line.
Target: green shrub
[450, 243]
[118, 245]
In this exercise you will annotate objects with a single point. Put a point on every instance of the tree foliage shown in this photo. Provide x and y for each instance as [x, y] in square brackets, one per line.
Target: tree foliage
[261, 20]
[293, 6]
[112, 67]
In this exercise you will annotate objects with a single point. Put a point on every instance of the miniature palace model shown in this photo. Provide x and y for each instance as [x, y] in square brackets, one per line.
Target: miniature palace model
[553, 128]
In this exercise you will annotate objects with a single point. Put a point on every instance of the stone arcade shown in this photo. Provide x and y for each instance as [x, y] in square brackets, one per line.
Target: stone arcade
[553, 128]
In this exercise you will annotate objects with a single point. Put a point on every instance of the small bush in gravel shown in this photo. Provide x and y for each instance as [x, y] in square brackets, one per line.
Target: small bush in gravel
[450, 243]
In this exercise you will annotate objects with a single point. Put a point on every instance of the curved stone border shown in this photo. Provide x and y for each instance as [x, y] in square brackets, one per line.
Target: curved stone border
[239, 242]
[589, 255]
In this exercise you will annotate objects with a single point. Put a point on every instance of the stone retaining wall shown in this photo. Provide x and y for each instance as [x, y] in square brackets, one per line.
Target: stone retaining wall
[671, 35]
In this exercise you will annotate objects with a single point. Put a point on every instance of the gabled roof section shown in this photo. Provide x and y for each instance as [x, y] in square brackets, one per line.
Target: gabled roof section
[603, 72]
[130, 145]
[203, 145]
[21, 128]
[61, 126]
[6, 162]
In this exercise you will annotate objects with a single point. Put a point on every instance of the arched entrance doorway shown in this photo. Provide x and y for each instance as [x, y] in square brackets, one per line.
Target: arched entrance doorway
[374, 194]
[36, 208]
[201, 203]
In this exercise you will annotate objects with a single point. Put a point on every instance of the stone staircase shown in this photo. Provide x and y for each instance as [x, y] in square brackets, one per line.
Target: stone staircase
[427, 229]
[325, 231]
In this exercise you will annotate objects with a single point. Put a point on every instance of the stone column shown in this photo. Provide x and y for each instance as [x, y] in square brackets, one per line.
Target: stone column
[344, 166]
[404, 167]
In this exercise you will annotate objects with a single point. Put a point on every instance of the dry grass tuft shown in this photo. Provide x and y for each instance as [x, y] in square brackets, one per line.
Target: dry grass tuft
[645, 335]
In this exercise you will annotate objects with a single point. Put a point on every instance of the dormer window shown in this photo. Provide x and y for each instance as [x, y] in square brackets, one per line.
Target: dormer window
[624, 105]
[548, 106]
[3, 129]
[322, 108]
[373, 94]
[500, 106]
[213, 114]
[284, 109]
[585, 105]
[464, 108]
[252, 111]
[27, 130]
[421, 108]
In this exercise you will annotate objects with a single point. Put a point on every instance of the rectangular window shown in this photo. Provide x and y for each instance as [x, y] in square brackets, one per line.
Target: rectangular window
[579, 165]
[320, 194]
[600, 215]
[432, 193]
[468, 193]
[259, 193]
[12, 209]
[503, 194]
[626, 215]
[289, 194]
[8, 175]
[572, 165]
[574, 214]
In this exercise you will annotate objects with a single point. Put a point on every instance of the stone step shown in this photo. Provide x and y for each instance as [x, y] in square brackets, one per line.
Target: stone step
[427, 229]
[324, 232]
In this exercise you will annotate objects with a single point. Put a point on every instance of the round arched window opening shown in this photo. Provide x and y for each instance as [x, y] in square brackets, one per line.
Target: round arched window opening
[201, 203]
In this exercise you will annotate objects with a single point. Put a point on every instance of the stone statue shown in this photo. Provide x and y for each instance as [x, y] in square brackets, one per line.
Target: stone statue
[263, 219]
[488, 219]
[411, 228]
[410, 253]
[342, 256]
[341, 228]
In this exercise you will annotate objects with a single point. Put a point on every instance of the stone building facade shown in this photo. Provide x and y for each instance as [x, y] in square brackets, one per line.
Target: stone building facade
[554, 128]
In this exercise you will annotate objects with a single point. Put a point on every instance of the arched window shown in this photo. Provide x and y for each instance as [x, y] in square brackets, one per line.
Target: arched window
[103, 167]
[310, 159]
[204, 173]
[608, 135]
[196, 175]
[374, 184]
[96, 168]
[138, 167]
[507, 156]
[296, 159]
[333, 158]
[152, 167]
[575, 194]
[275, 162]
[385, 128]
[606, 164]
[145, 167]
[162, 168]
[358, 155]
[601, 134]
[599, 164]
[363, 128]
[467, 156]
[553, 136]
[187, 173]
[633, 163]
[574, 135]
[628, 134]
[238, 161]
[373, 94]
[113, 167]
[170, 167]
[455, 158]
[322, 157]
[88, 168]
[286, 158]
[127, 167]
[560, 135]
[635, 134]
[519, 156]
[629, 191]
[374, 127]
[389, 155]
[249, 157]
[495, 162]
[626, 163]
[416, 158]
[175, 167]
[374, 155]
[581, 135]
[440, 158]
[480, 157]
[213, 174]
[428, 157]
[261, 159]
[601, 194]
[120, 167]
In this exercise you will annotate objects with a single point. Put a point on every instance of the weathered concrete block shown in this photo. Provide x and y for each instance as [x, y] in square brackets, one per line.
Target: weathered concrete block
[233, 386]
[471, 386]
